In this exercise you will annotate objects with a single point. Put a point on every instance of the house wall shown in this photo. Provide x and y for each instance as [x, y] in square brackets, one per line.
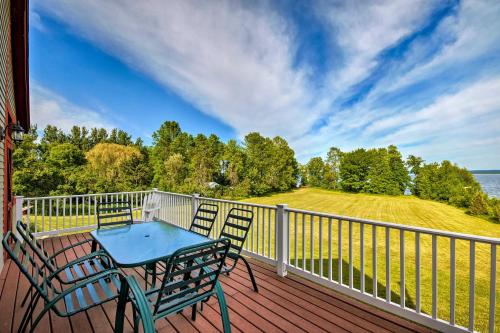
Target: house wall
[7, 102]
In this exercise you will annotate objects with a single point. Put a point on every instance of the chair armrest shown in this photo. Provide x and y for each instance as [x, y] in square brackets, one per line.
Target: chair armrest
[55, 254]
[138, 298]
[151, 209]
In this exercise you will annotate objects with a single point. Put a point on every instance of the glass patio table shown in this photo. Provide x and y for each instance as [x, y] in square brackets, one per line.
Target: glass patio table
[144, 243]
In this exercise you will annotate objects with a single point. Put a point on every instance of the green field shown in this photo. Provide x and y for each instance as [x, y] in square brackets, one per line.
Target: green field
[404, 210]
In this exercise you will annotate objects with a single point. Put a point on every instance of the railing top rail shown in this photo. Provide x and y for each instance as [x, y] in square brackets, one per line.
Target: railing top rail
[239, 203]
[176, 194]
[82, 195]
[443, 233]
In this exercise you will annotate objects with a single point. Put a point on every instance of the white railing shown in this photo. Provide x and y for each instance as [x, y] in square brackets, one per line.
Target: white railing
[398, 268]
[54, 215]
[418, 273]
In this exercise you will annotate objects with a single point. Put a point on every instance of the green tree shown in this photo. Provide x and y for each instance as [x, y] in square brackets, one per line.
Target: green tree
[332, 169]
[283, 173]
[176, 172]
[315, 171]
[399, 173]
[479, 204]
[446, 182]
[354, 169]
[259, 156]
[106, 164]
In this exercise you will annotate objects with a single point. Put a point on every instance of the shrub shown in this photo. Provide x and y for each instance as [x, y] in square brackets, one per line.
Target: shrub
[479, 204]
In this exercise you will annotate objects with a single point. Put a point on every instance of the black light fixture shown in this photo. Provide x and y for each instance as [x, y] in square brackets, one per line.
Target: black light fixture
[16, 132]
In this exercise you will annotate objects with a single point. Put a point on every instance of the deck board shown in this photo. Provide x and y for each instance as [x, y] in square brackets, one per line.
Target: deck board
[290, 304]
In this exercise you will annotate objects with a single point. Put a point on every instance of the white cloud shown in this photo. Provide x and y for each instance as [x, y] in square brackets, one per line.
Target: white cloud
[364, 29]
[48, 108]
[235, 61]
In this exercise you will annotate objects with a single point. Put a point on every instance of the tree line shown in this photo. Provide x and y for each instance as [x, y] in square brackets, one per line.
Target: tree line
[384, 171]
[97, 160]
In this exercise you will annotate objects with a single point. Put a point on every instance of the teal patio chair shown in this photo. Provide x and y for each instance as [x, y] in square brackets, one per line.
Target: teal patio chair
[236, 226]
[73, 271]
[203, 220]
[101, 288]
[112, 214]
[202, 224]
[191, 277]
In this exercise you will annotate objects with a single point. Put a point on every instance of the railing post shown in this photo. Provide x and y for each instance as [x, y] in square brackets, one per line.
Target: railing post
[195, 202]
[282, 239]
[17, 212]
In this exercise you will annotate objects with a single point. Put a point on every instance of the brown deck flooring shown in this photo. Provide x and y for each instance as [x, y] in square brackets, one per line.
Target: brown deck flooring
[290, 304]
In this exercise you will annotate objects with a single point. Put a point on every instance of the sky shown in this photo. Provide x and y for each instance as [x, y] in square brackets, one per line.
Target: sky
[422, 75]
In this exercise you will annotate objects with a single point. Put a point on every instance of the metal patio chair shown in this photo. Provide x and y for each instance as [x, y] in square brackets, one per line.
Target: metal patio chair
[203, 220]
[202, 224]
[73, 271]
[112, 214]
[101, 288]
[236, 226]
[196, 281]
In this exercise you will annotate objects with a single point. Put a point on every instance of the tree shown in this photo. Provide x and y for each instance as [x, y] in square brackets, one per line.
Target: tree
[479, 204]
[315, 171]
[106, 163]
[175, 172]
[283, 173]
[161, 150]
[259, 155]
[205, 160]
[399, 173]
[446, 182]
[332, 169]
[380, 179]
[354, 169]
[414, 163]
[233, 161]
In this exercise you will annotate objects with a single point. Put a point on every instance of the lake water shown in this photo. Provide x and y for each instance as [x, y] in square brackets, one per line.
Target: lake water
[490, 183]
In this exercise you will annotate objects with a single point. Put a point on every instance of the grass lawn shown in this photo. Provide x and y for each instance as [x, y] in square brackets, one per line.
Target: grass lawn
[404, 210]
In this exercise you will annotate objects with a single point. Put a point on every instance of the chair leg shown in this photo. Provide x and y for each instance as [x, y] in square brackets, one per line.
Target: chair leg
[193, 313]
[27, 314]
[122, 304]
[26, 296]
[249, 269]
[24, 325]
[146, 277]
[136, 320]
[226, 324]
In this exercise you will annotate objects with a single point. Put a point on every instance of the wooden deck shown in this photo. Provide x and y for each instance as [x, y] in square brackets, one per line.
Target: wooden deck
[288, 304]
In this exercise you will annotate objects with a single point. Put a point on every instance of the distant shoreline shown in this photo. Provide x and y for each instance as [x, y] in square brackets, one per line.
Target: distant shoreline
[485, 172]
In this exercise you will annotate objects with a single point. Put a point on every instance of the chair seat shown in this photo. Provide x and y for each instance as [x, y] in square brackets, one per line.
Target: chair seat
[90, 294]
[84, 269]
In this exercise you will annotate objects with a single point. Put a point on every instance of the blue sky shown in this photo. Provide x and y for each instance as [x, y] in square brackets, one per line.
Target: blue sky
[420, 74]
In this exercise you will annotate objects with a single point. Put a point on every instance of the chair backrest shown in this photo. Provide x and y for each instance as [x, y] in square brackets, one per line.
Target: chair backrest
[236, 226]
[28, 237]
[28, 262]
[114, 213]
[150, 207]
[204, 219]
[190, 276]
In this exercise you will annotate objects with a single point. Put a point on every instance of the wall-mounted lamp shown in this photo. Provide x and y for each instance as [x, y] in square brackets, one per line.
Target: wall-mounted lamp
[16, 132]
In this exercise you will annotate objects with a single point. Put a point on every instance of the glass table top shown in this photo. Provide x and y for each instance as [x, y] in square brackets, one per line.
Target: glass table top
[139, 244]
